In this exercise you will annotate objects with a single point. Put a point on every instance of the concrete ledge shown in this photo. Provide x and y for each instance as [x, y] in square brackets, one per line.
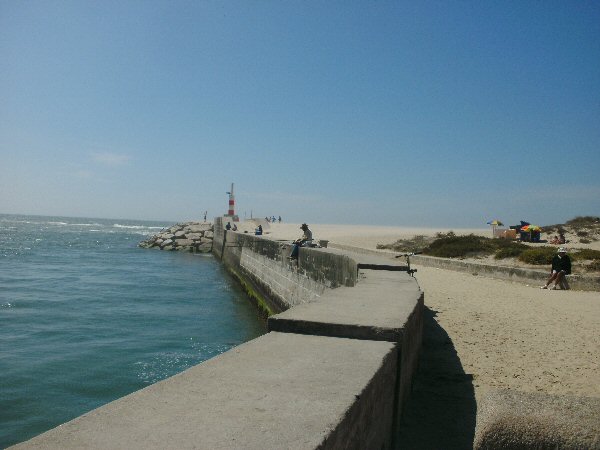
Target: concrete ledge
[278, 391]
[519, 420]
[531, 276]
[578, 282]
[377, 308]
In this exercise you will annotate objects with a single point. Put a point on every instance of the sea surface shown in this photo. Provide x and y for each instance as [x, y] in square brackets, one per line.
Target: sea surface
[87, 317]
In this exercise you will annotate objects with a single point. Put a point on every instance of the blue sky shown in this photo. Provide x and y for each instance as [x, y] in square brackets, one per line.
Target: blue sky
[388, 113]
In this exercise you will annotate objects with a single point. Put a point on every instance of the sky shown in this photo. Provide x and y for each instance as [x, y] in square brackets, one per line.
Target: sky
[401, 113]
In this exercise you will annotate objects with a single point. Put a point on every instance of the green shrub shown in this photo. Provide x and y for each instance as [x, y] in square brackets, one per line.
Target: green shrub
[510, 252]
[586, 254]
[585, 241]
[538, 255]
[582, 233]
[594, 266]
[416, 244]
[584, 220]
[452, 246]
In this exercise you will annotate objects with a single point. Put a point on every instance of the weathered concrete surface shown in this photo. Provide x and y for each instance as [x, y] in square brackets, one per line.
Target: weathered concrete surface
[382, 306]
[377, 308]
[518, 420]
[278, 391]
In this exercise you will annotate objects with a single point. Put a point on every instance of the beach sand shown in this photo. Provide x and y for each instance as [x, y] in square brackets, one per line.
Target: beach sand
[505, 334]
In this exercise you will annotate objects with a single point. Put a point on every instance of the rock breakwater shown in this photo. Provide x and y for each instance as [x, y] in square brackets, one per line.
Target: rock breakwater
[189, 236]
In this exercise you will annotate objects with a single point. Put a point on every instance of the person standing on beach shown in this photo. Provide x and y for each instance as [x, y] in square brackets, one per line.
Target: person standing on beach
[561, 266]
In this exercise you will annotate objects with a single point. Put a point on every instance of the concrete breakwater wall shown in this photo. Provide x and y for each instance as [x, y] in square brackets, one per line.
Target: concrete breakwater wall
[262, 267]
[334, 370]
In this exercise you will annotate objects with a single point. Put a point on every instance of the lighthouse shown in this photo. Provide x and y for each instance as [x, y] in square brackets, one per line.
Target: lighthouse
[231, 209]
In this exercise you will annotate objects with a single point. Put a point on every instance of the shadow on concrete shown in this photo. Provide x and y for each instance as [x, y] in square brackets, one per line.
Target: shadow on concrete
[441, 411]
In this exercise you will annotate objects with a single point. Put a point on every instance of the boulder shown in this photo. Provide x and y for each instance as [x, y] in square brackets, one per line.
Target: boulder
[204, 248]
[192, 236]
[166, 243]
[198, 228]
[183, 242]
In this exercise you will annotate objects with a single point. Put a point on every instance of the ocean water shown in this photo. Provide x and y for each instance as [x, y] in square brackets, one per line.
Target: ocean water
[87, 317]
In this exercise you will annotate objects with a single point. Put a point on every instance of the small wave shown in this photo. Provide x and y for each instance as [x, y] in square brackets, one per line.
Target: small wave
[86, 224]
[131, 227]
[137, 227]
[54, 223]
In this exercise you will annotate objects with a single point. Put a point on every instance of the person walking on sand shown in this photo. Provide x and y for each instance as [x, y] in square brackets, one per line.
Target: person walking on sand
[561, 266]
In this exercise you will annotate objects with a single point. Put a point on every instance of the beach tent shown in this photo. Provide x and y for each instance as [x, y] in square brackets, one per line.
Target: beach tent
[530, 233]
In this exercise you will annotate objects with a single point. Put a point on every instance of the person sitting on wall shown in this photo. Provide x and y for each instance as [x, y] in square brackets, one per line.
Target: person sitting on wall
[258, 231]
[234, 228]
[561, 266]
[303, 241]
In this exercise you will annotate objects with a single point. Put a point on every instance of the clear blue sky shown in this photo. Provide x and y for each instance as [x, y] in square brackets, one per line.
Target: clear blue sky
[369, 112]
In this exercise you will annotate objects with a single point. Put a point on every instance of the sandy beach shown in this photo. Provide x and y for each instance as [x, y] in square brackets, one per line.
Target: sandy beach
[506, 334]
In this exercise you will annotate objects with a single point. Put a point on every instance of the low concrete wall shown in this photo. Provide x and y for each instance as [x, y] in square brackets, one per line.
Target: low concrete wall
[271, 279]
[531, 276]
[578, 282]
[279, 391]
[333, 372]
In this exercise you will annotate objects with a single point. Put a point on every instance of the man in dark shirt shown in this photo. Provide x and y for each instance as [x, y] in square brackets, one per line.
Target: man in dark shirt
[561, 266]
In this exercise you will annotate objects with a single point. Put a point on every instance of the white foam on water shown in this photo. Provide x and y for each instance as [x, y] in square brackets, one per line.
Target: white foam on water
[131, 227]
[86, 224]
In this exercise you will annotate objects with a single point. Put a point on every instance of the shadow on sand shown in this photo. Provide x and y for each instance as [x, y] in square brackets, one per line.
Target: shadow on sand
[441, 411]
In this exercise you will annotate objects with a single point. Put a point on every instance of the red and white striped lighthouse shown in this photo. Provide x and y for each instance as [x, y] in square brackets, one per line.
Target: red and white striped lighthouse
[231, 210]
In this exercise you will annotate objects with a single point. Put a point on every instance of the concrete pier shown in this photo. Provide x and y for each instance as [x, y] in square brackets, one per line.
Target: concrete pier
[333, 372]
